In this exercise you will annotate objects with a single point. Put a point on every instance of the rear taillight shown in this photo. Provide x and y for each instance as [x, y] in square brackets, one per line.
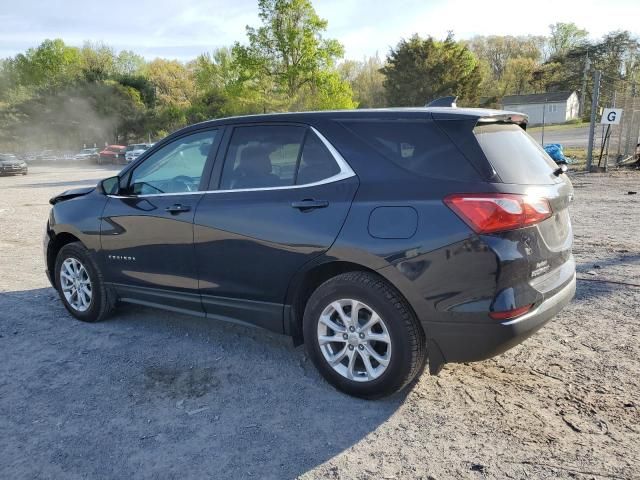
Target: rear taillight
[509, 314]
[496, 212]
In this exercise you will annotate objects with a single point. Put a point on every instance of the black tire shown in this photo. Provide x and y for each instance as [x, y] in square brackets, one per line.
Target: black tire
[102, 299]
[408, 354]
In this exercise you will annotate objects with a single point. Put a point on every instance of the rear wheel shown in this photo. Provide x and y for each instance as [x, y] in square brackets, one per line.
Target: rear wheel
[80, 284]
[362, 335]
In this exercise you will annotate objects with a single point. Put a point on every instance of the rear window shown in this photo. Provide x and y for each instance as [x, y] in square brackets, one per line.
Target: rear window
[417, 146]
[515, 156]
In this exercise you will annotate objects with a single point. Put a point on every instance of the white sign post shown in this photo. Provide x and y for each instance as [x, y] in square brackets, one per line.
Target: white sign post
[611, 116]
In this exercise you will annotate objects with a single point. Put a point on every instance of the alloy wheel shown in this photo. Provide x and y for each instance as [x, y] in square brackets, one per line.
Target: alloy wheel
[75, 284]
[354, 340]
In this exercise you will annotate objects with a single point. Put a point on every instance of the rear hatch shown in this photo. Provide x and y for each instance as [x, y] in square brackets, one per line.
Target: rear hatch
[522, 166]
[519, 160]
[538, 252]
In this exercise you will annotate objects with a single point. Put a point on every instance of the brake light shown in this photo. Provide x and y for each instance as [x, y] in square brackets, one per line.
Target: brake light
[509, 314]
[497, 212]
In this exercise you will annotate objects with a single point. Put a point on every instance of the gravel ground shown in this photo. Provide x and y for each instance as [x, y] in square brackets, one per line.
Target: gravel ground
[150, 394]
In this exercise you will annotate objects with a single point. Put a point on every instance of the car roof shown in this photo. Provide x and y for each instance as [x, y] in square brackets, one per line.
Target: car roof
[440, 113]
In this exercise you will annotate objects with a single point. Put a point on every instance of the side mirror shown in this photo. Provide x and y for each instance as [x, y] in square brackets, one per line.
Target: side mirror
[110, 186]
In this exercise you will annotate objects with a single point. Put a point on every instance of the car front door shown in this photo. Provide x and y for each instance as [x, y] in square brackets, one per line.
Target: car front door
[280, 195]
[147, 228]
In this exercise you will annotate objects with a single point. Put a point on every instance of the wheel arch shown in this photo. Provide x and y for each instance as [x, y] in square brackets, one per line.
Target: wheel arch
[58, 241]
[306, 282]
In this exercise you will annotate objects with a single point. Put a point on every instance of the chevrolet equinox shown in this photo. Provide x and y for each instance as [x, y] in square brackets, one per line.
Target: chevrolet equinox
[382, 239]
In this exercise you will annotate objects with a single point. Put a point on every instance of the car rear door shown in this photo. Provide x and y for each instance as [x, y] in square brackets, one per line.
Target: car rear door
[279, 195]
[147, 229]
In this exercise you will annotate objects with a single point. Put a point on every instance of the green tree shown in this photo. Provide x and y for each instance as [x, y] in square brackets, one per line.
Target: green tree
[52, 64]
[565, 36]
[287, 58]
[366, 80]
[98, 62]
[616, 55]
[129, 63]
[497, 50]
[518, 76]
[173, 82]
[420, 70]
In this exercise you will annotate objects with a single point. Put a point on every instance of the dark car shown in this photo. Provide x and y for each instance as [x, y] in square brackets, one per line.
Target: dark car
[382, 239]
[12, 165]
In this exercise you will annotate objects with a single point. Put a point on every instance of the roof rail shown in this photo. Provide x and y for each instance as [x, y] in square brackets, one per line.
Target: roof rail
[443, 102]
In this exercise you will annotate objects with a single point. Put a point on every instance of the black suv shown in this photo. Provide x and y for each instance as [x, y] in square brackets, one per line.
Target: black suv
[379, 238]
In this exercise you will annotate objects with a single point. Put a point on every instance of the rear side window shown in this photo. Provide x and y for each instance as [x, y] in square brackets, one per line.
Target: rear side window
[262, 157]
[316, 163]
[515, 156]
[270, 156]
[417, 146]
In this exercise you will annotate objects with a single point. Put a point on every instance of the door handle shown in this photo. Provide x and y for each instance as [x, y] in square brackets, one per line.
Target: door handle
[308, 204]
[177, 208]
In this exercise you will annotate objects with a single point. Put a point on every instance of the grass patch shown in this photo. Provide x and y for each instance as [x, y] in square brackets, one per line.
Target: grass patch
[559, 126]
[577, 156]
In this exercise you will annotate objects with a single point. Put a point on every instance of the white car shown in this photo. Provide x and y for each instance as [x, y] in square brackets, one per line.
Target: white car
[86, 154]
[134, 151]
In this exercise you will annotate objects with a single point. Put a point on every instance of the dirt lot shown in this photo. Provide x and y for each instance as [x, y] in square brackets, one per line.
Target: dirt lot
[149, 394]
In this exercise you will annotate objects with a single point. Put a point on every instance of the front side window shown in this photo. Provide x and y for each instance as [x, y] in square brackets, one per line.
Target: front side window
[175, 168]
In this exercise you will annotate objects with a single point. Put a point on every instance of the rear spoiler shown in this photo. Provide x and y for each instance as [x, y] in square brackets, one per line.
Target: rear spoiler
[519, 119]
[445, 108]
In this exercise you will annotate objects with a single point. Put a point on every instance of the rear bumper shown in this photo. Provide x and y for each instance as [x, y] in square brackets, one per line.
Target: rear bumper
[453, 342]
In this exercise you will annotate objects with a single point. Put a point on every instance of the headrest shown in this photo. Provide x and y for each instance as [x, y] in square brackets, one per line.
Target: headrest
[255, 159]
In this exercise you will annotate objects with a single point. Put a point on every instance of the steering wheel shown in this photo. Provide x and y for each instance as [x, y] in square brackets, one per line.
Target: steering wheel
[185, 182]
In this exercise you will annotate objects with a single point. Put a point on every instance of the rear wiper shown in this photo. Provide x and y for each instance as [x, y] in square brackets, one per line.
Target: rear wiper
[560, 170]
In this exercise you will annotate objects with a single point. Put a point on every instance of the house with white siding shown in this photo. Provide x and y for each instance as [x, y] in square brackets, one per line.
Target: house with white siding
[558, 107]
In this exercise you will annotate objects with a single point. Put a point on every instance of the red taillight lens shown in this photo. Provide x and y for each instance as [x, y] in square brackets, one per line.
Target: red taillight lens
[496, 212]
[509, 314]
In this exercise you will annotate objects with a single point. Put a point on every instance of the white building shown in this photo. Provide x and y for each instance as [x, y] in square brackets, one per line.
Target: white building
[558, 107]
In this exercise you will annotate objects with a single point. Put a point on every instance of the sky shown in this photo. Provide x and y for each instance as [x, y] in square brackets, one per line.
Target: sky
[183, 29]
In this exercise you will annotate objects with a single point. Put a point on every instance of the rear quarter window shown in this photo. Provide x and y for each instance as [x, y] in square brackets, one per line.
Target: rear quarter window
[514, 155]
[417, 146]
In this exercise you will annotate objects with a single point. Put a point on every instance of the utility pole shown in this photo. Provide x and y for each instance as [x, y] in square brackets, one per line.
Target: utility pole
[592, 125]
[632, 139]
[583, 93]
[544, 107]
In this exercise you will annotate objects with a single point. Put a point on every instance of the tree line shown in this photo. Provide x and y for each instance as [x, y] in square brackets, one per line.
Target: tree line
[60, 96]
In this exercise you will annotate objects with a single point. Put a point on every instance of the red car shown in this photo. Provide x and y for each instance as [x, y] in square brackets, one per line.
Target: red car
[112, 154]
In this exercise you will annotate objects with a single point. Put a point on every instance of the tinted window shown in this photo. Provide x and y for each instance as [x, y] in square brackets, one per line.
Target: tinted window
[515, 156]
[175, 168]
[316, 163]
[418, 146]
[262, 157]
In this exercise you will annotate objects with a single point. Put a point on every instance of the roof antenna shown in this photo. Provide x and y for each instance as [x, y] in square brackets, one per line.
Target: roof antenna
[443, 102]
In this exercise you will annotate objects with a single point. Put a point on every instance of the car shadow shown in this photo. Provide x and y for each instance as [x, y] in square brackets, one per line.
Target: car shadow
[157, 394]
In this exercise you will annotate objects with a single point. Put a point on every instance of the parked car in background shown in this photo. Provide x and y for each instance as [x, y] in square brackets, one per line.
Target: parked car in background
[46, 156]
[379, 238]
[87, 154]
[12, 165]
[133, 151]
[112, 154]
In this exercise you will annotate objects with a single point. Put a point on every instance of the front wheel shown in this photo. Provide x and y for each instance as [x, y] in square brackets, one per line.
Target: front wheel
[80, 284]
[362, 335]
